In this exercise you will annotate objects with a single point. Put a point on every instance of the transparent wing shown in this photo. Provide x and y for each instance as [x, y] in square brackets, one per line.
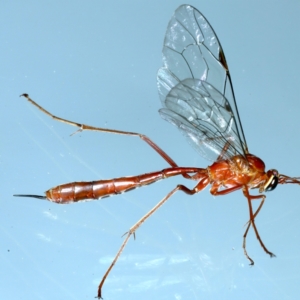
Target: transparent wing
[195, 87]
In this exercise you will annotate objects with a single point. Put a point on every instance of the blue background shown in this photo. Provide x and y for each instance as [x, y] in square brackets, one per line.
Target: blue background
[95, 62]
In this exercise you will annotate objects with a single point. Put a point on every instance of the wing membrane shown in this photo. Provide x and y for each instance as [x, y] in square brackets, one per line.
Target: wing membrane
[195, 87]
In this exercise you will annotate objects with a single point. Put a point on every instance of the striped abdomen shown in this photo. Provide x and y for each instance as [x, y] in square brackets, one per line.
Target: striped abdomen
[79, 191]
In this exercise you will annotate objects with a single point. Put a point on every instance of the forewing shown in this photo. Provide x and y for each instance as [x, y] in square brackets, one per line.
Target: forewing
[195, 87]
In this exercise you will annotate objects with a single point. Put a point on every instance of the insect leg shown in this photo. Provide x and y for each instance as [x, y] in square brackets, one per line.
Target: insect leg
[83, 127]
[251, 222]
[201, 185]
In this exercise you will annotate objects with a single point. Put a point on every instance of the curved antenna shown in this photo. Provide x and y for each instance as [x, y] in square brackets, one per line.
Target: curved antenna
[32, 196]
[283, 179]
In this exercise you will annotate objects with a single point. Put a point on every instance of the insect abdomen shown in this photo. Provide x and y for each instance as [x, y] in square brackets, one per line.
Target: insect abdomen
[79, 191]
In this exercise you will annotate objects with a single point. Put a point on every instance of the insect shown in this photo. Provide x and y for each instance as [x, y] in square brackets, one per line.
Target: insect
[196, 92]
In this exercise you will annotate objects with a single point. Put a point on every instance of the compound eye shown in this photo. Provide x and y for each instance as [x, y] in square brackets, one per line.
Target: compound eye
[272, 183]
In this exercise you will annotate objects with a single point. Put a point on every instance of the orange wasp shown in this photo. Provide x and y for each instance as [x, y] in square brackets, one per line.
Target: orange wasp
[196, 92]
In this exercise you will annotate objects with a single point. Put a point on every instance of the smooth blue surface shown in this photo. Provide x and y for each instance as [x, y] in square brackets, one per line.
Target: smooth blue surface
[96, 62]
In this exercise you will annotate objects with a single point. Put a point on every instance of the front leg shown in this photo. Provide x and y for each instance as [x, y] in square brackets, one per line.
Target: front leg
[251, 222]
[215, 191]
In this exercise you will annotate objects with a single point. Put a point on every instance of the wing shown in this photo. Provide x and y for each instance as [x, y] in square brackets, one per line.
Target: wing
[195, 87]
